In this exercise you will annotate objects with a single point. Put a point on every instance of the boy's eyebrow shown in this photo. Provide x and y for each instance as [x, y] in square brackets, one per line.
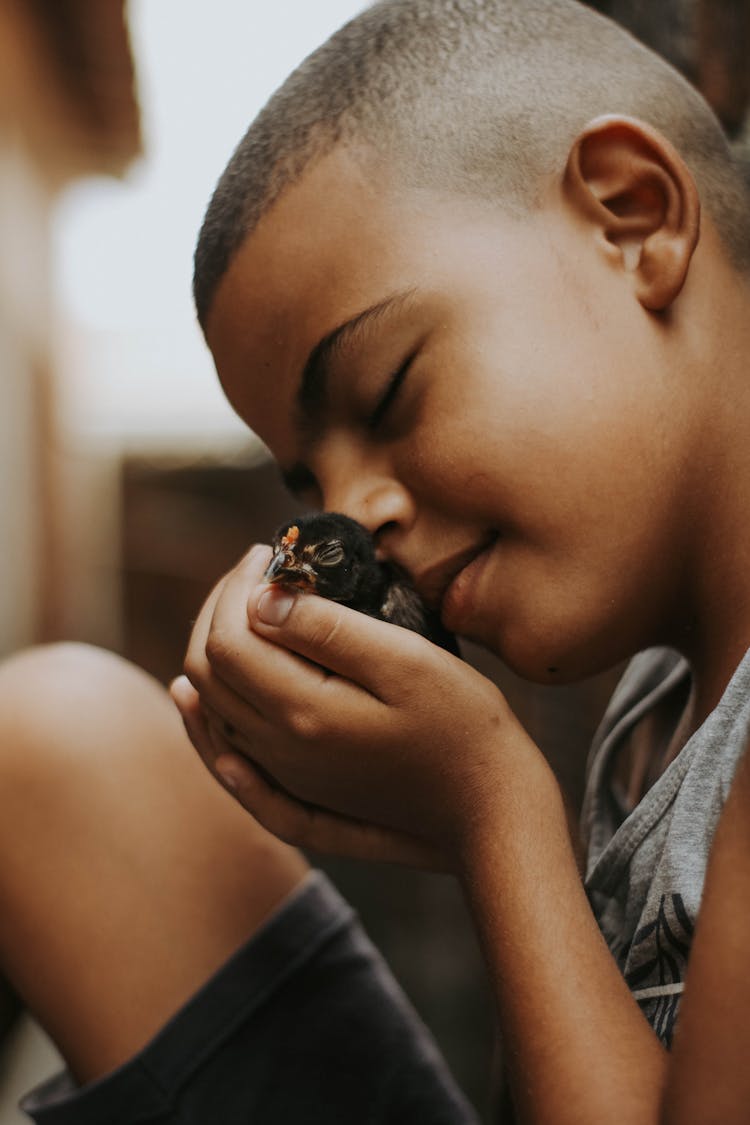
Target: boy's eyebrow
[311, 397]
[312, 393]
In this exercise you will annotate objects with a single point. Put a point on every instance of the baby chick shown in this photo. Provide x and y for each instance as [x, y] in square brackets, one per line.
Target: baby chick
[334, 556]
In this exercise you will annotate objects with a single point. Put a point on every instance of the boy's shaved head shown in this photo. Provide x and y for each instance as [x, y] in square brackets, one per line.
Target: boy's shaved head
[477, 97]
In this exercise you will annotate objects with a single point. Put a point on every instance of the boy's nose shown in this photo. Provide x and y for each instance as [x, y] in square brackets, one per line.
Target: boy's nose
[380, 504]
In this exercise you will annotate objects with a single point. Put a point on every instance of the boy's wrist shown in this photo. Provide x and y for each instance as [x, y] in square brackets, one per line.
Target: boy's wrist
[522, 815]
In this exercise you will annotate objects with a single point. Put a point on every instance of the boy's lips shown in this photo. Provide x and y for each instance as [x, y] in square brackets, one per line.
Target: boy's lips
[435, 583]
[456, 599]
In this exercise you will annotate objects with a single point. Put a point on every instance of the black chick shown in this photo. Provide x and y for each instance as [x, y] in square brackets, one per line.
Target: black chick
[334, 556]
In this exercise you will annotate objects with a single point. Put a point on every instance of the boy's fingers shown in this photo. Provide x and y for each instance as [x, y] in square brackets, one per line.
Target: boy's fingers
[340, 639]
[232, 663]
[209, 734]
[221, 629]
[227, 655]
[196, 649]
[238, 673]
[187, 701]
[314, 828]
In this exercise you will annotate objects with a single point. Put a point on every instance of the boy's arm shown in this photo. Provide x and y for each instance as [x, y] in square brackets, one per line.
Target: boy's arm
[411, 740]
[709, 1076]
[579, 1050]
[577, 1046]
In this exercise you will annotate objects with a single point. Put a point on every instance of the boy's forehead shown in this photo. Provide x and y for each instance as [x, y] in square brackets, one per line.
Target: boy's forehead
[285, 238]
[329, 237]
[344, 238]
[307, 263]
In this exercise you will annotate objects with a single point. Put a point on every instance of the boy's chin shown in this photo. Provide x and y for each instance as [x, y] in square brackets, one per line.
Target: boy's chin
[535, 660]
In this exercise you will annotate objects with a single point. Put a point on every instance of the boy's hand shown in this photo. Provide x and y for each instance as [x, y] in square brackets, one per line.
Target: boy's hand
[305, 825]
[356, 736]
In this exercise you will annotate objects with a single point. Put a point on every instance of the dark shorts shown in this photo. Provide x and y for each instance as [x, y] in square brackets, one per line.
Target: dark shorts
[303, 1024]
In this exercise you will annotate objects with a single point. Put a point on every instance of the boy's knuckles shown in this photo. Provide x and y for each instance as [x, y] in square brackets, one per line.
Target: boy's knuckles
[321, 632]
[221, 650]
[411, 674]
[305, 724]
[195, 668]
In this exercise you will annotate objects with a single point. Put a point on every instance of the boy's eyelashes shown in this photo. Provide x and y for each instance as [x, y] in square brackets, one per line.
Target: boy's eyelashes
[390, 393]
[300, 480]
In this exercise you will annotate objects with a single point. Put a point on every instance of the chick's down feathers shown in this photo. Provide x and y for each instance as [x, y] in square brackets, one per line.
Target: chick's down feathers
[334, 556]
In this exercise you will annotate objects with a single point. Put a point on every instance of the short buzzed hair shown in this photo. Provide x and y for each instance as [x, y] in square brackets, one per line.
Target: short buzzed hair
[479, 97]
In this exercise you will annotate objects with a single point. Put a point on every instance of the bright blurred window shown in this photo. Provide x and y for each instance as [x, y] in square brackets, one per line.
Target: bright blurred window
[134, 368]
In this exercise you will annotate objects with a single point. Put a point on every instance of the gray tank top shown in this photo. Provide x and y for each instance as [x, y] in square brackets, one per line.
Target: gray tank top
[645, 871]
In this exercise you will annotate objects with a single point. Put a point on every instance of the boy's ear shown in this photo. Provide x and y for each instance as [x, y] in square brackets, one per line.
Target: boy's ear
[632, 183]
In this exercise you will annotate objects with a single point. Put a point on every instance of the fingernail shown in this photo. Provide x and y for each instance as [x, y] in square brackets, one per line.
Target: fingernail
[274, 606]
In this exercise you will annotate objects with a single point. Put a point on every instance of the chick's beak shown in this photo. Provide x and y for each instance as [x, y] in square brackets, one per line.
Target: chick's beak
[287, 569]
[280, 560]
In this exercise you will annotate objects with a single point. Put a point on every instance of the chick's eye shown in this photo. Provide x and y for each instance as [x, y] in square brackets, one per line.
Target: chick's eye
[385, 401]
[330, 554]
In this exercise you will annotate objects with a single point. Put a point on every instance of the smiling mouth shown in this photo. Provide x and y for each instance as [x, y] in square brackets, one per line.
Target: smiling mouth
[433, 583]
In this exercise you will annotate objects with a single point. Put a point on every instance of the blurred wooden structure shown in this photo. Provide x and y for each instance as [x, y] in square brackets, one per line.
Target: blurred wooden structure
[67, 108]
[707, 40]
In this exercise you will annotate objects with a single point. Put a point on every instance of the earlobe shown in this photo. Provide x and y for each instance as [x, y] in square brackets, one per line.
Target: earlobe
[631, 182]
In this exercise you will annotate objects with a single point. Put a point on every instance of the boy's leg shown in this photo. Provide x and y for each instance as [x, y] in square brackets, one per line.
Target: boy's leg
[127, 875]
[128, 878]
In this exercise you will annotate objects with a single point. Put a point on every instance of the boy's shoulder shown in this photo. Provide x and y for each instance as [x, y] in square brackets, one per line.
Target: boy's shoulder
[648, 678]
[658, 681]
[647, 867]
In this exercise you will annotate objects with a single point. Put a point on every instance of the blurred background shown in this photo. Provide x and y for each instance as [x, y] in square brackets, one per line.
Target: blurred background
[127, 486]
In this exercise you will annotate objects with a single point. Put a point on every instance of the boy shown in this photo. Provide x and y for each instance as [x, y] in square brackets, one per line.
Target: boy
[478, 276]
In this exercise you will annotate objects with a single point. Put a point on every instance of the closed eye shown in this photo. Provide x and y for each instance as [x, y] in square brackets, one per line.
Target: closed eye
[330, 554]
[386, 400]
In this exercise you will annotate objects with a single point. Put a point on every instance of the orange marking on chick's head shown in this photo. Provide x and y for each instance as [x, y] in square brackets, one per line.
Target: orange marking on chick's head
[291, 536]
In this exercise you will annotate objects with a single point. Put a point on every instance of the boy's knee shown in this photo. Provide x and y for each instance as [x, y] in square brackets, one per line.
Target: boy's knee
[94, 754]
[67, 708]
[38, 692]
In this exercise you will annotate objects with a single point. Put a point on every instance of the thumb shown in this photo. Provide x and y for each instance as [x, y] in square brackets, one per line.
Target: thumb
[337, 637]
